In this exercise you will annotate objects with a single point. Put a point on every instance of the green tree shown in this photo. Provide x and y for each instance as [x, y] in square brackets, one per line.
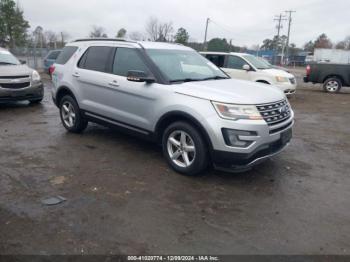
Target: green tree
[13, 26]
[218, 45]
[121, 33]
[182, 36]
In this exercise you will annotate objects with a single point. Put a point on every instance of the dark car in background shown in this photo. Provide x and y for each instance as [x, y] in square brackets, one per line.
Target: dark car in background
[332, 76]
[50, 59]
[17, 81]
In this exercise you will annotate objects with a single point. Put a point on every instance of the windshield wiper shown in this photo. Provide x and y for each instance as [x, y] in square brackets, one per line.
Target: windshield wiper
[7, 63]
[214, 78]
[198, 79]
[185, 80]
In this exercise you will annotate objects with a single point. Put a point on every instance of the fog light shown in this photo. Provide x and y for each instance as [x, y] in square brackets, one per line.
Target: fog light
[231, 137]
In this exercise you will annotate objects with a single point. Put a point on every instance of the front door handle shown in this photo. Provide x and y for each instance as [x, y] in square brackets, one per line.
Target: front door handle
[113, 83]
[76, 74]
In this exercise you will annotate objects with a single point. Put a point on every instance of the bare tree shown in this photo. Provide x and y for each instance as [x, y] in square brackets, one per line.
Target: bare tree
[136, 36]
[158, 31]
[164, 31]
[97, 31]
[51, 38]
[152, 28]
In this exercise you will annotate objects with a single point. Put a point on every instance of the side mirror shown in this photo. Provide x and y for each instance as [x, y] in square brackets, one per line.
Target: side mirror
[139, 76]
[246, 67]
[22, 62]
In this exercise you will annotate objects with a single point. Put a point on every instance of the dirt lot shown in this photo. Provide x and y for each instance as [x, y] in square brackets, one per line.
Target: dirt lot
[122, 197]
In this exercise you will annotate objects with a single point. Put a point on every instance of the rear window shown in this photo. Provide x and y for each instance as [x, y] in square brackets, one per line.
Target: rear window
[53, 55]
[66, 54]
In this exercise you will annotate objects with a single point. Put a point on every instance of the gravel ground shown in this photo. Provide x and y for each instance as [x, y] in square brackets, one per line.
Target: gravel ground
[123, 199]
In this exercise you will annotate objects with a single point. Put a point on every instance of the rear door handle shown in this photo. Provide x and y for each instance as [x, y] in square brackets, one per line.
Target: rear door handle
[76, 74]
[113, 83]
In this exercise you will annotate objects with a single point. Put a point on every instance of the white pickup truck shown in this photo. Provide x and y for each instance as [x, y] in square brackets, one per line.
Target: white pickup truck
[248, 67]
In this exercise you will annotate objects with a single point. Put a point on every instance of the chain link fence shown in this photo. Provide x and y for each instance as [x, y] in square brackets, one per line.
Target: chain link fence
[33, 57]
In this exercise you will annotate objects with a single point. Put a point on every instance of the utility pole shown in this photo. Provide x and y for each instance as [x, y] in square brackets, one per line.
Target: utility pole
[279, 26]
[289, 25]
[205, 35]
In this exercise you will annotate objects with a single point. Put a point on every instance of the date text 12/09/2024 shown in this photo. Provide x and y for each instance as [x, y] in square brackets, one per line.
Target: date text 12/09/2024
[173, 258]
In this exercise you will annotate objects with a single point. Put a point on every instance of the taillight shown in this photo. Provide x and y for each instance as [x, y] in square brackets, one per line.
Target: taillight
[51, 69]
[308, 70]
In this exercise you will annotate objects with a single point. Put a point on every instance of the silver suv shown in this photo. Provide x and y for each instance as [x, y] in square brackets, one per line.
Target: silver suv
[172, 95]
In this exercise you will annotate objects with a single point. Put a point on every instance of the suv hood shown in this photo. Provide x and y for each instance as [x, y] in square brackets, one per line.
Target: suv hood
[231, 91]
[15, 70]
[277, 72]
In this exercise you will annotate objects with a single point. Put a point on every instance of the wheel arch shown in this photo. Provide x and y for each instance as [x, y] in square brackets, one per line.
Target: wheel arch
[263, 81]
[333, 76]
[174, 116]
[61, 92]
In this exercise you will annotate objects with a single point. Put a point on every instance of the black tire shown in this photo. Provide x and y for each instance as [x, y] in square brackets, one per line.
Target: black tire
[199, 157]
[79, 124]
[36, 101]
[332, 85]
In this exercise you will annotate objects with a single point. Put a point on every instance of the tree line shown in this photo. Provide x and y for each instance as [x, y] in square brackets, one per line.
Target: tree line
[14, 32]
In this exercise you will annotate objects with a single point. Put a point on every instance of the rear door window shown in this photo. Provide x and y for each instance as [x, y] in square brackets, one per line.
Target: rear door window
[66, 54]
[97, 58]
[127, 59]
[218, 60]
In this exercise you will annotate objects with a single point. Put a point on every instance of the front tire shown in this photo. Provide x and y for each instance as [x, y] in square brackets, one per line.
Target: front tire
[185, 149]
[71, 116]
[332, 85]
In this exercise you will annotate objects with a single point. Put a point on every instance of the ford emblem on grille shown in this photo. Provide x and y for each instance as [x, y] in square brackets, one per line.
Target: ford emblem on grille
[283, 109]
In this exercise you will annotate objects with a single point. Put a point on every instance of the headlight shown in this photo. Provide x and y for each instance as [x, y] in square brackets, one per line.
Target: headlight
[282, 79]
[35, 76]
[234, 112]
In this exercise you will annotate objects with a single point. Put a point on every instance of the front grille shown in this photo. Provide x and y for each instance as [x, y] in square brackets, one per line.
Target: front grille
[275, 113]
[14, 85]
[13, 77]
[292, 80]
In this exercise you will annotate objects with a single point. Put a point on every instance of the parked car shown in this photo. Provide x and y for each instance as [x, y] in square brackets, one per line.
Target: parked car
[248, 67]
[18, 81]
[332, 76]
[170, 94]
[50, 59]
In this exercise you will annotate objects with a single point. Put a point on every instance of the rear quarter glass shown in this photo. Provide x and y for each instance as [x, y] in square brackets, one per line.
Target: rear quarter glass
[66, 54]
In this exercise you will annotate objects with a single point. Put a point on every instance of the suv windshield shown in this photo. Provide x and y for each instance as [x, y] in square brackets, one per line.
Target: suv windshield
[257, 62]
[184, 65]
[6, 58]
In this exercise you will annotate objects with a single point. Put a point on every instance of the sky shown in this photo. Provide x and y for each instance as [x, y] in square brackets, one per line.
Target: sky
[246, 22]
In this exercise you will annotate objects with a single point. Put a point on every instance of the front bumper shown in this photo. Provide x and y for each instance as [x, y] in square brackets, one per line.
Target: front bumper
[239, 162]
[33, 92]
[266, 141]
[287, 88]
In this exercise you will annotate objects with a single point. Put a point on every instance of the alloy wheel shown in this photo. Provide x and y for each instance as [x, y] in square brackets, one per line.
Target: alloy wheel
[68, 114]
[181, 148]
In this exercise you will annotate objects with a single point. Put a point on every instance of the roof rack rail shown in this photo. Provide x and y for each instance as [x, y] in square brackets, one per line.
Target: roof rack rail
[104, 39]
